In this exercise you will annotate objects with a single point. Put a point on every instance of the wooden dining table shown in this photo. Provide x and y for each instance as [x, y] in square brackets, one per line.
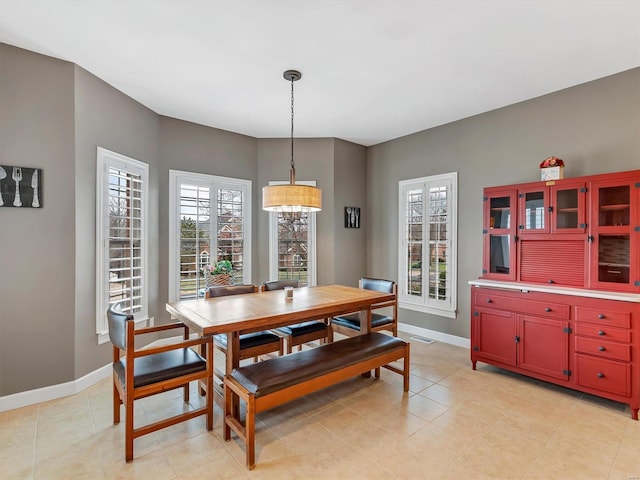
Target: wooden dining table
[251, 312]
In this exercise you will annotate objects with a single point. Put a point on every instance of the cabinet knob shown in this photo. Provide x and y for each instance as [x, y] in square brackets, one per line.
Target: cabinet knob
[600, 375]
[489, 300]
[600, 332]
[551, 282]
[547, 309]
[601, 316]
[601, 348]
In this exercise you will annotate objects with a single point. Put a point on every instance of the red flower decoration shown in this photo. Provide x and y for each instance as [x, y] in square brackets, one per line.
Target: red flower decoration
[552, 162]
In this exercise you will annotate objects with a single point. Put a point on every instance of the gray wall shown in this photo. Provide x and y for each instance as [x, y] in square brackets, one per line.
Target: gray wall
[350, 190]
[194, 148]
[37, 279]
[106, 118]
[594, 127]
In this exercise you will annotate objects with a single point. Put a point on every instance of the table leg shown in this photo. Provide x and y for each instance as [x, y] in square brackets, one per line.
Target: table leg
[233, 361]
[365, 327]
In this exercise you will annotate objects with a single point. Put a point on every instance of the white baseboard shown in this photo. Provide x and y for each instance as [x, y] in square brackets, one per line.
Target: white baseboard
[38, 395]
[434, 335]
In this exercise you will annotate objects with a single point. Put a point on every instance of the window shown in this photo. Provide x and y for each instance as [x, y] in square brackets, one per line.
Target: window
[428, 244]
[121, 237]
[292, 245]
[198, 237]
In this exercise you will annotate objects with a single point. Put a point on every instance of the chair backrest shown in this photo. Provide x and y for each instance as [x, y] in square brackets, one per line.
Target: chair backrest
[280, 284]
[378, 284]
[118, 326]
[224, 290]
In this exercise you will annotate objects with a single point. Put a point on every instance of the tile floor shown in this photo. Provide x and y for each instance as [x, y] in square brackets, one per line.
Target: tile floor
[454, 424]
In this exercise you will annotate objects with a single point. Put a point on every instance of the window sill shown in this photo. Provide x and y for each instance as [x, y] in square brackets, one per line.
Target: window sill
[426, 309]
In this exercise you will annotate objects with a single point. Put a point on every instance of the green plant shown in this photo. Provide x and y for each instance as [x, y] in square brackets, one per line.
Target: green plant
[221, 267]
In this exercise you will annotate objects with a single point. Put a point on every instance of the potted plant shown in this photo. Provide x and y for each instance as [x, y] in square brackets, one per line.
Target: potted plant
[218, 273]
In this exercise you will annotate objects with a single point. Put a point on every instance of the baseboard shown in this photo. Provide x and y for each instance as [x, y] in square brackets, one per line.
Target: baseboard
[434, 335]
[38, 395]
[53, 392]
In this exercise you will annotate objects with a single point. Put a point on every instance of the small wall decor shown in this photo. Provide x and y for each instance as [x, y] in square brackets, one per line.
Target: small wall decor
[351, 217]
[20, 187]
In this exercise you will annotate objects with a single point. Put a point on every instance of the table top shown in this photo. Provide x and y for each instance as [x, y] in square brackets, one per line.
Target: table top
[263, 310]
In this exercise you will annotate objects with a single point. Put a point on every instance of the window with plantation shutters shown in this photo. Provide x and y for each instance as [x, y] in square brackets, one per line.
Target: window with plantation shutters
[428, 244]
[292, 244]
[210, 220]
[121, 238]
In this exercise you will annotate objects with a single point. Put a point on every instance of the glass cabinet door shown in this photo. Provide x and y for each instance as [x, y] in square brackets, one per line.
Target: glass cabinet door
[533, 211]
[499, 235]
[568, 206]
[614, 236]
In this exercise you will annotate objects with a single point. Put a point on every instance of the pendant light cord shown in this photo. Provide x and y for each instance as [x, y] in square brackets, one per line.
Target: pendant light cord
[292, 174]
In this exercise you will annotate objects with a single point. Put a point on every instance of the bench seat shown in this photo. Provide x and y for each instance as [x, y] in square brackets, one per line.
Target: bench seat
[279, 380]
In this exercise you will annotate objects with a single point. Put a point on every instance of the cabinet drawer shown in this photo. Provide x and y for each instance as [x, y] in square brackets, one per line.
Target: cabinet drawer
[612, 350]
[605, 375]
[603, 331]
[532, 307]
[603, 317]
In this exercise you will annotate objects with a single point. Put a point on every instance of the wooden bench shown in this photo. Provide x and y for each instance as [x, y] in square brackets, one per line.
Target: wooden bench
[272, 382]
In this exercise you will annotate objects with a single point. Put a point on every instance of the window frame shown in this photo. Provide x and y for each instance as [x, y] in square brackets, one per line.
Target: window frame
[423, 303]
[106, 159]
[178, 177]
[312, 244]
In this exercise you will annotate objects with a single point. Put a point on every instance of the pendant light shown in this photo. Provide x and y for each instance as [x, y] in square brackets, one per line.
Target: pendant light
[291, 197]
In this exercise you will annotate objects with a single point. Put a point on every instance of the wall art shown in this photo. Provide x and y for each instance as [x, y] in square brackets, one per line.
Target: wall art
[351, 217]
[20, 187]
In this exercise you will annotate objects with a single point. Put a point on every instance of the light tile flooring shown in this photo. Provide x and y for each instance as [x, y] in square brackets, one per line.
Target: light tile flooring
[455, 423]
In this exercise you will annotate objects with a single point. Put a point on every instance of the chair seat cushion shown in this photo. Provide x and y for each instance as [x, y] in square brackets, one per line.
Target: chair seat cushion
[275, 374]
[303, 328]
[249, 340]
[161, 366]
[353, 320]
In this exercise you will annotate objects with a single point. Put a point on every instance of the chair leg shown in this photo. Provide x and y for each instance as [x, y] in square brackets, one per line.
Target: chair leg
[128, 432]
[377, 372]
[185, 394]
[116, 405]
[250, 430]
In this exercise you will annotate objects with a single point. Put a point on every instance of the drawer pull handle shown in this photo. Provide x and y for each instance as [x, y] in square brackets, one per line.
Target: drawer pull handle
[547, 309]
[601, 348]
[601, 332]
[601, 316]
[489, 300]
[600, 375]
[614, 271]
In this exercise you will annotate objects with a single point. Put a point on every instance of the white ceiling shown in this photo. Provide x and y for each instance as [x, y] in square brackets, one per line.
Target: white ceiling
[372, 70]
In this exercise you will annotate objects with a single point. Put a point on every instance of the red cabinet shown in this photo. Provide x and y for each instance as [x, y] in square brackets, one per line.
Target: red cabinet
[581, 232]
[520, 333]
[588, 343]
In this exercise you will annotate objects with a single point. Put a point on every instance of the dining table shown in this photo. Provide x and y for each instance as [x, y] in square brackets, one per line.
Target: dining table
[235, 315]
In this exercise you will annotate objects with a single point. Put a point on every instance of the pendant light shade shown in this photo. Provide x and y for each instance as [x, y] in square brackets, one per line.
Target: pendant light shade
[291, 197]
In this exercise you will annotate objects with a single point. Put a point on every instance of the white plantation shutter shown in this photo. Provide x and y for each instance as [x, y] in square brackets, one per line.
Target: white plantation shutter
[199, 237]
[292, 244]
[428, 244]
[121, 237]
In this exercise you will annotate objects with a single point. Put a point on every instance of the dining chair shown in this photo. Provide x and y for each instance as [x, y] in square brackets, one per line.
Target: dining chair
[148, 371]
[252, 345]
[350, 324]
[300, 333]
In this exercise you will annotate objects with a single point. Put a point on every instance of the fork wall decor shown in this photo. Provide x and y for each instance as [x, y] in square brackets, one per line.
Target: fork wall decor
[20, 187]
[351, 217]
